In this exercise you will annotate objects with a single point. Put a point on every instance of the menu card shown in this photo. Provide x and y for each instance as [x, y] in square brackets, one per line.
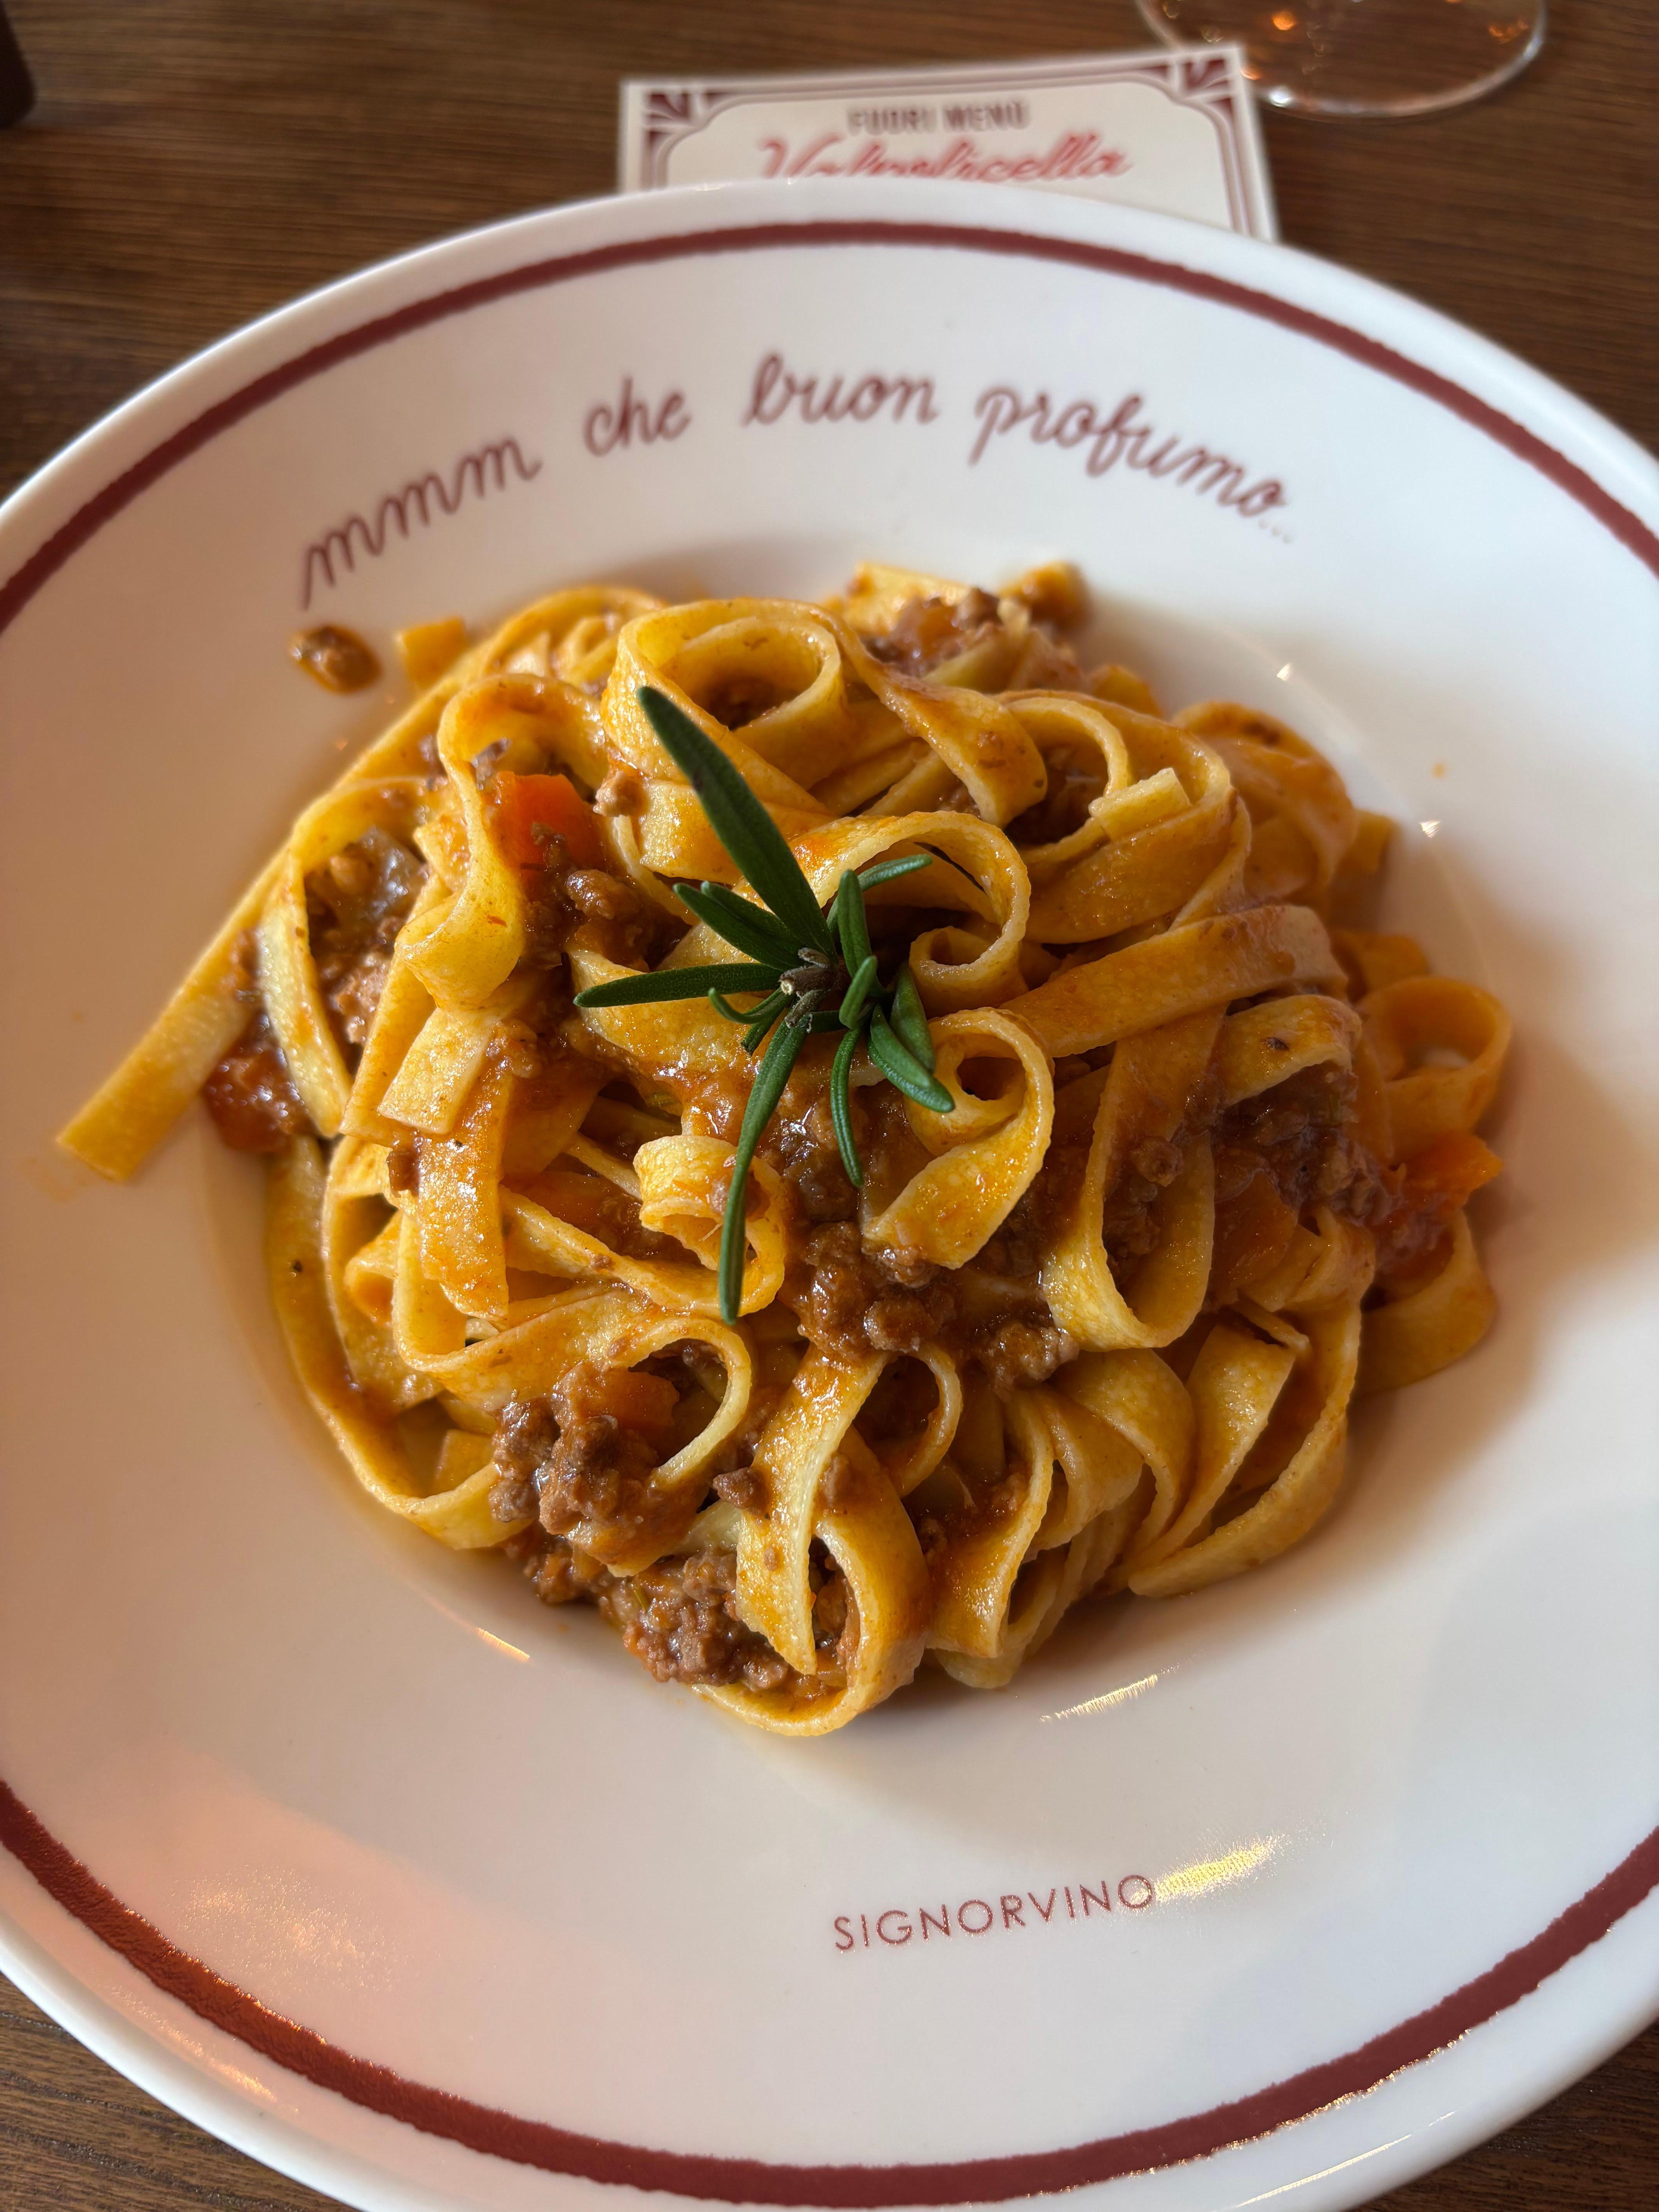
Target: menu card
[1174, 129]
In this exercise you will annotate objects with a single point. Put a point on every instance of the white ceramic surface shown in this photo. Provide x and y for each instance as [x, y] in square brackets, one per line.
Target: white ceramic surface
[426, 1827]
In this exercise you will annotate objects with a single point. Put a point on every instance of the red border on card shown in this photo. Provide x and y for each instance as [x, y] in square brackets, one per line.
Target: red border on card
[730, 2180]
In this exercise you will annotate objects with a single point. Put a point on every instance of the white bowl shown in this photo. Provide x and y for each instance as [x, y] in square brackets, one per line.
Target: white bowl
[344, 1847]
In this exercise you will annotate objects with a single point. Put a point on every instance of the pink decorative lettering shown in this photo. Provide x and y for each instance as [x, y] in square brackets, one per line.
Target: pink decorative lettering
[1123, 436]
[607, 428]
[776, 390]
[471, 476]
[1073, 157]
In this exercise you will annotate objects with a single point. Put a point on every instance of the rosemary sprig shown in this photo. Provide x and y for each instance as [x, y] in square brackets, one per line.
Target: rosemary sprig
[740, 821]
[815, 969]
[775, 1071]
[683, 984]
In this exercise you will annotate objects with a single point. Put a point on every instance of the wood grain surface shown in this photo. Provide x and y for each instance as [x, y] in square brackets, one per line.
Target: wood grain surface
[191, 163]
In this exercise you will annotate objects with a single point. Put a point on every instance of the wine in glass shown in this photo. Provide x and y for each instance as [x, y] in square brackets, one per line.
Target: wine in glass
[1363, 56]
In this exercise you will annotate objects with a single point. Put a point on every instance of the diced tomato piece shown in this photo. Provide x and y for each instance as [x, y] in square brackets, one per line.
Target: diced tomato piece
[1447, 1172]
[1433, 1184]
[520, 805]
[644, 1403]
[1252, 1233]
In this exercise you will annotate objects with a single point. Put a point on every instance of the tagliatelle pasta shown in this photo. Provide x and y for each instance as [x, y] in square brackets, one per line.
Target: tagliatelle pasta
[1095, 1328]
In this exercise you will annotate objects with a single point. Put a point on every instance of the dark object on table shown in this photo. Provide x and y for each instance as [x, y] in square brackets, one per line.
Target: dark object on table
[17, 85]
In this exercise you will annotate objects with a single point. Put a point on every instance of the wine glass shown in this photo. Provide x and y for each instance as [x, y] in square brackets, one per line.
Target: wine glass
[1363, 56]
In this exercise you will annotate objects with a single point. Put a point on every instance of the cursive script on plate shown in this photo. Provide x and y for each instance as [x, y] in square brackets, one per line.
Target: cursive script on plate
[471, 478]
[1122, 436]
[619, 422]
[777, 390]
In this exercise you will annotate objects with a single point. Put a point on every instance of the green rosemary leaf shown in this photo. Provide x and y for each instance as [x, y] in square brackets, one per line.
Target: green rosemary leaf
[781, 1057]
[765, 1014]
[852, 924]
[841, 1107]
[726, 1011]
[739, 821]
[677, 983]
[902, 1070]
[742, 909]
[851, 1006]
[750, 927]
[889, 871]
[909, 1018]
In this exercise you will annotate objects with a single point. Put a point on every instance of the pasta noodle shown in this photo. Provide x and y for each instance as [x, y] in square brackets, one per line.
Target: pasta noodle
[1096, 1328]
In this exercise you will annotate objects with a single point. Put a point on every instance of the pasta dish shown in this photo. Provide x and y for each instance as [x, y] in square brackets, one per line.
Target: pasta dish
[831, 1132]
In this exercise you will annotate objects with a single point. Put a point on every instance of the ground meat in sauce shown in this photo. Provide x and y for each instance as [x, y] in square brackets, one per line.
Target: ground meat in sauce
[1300, 1133]
[930, 631]
[1017, 1352]
[622, 791]
[336, 657]
[835, 1622]
[1019, 1249]
[1128, 1228]
[613, 917]
[743, 1485]
[517, 1045]
[983, 1506]
[1411, 1240]
[851, 1299]
[804, 1151]
[679, 1618]
[250, 1095]
[565, 1462]
[557, 1572]
[356, 904]
[732, 1475]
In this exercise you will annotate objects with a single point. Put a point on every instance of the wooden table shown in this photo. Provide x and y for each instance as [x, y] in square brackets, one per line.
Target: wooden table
[192, 163]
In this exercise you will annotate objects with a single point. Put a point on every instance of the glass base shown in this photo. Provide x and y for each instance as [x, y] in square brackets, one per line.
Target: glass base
[1363, 56]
